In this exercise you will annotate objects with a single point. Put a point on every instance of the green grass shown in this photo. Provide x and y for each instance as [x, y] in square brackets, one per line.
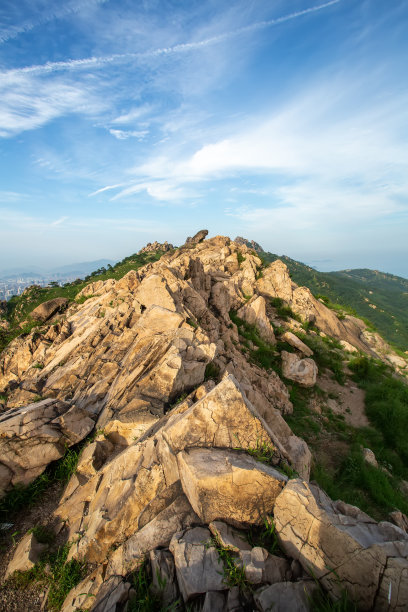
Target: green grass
[233, 574]
[362, 485]
[212, 372]
[387, 409]
[349, 477]
[240, 257]
[263, 451]
[54, 572]
[265, 536]
[283, 311]
[145, 598]
[328, 354]
[42, 534]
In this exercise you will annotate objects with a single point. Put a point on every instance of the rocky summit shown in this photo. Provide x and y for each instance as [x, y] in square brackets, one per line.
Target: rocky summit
[175, 385]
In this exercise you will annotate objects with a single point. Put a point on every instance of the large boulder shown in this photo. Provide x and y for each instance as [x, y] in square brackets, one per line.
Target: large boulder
[198, 237]
[229, 486]
[301, 371]
[343, 547]
[46, 310]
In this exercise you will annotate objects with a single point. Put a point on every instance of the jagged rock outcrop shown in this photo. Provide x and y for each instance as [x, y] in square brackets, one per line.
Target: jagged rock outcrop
[343, 547]
[184, 422]
[153, 247]
[251, 244]
[254, 313]
[198, 237]
[276, 282]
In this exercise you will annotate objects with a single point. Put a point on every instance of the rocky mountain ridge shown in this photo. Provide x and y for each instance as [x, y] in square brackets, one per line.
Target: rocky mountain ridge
[165, 366]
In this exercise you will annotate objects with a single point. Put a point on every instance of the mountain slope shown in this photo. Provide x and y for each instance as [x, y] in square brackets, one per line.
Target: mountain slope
[192, 397]
[380, 298]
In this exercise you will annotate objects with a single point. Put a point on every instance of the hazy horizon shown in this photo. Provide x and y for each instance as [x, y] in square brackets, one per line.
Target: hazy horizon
[284, 122]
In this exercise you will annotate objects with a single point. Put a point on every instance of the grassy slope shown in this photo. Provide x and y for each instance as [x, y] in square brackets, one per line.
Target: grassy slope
[352, 288]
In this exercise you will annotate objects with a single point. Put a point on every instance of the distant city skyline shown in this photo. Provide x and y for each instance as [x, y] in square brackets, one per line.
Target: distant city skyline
[284, 122]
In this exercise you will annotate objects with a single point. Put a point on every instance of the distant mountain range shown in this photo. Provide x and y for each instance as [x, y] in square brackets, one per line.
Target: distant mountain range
[80, 269]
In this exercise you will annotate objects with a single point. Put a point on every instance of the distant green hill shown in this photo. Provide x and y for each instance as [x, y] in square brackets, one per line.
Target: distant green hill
[357, 292]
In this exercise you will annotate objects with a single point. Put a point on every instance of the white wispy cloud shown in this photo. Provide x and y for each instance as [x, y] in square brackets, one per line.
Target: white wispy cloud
[27, 103]
[125, 134]
[45, 17]
[328, 161]
[101, 61]
[133, 114]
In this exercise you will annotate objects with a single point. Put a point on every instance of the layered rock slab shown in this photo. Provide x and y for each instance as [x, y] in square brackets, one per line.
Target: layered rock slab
[343, 547]
[109, 504]
[230, 486]
[33, 436]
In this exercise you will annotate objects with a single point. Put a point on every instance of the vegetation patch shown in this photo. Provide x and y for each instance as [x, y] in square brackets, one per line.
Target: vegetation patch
[234, 574]
[338, 463]
[265, 536]
[328, 354]
[387, 409]
[146, 599]
[240, 257]
[54, 572]
[283, 310]
[212, 372]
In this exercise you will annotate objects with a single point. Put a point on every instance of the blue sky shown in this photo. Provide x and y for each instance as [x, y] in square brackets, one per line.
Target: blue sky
[284, 121]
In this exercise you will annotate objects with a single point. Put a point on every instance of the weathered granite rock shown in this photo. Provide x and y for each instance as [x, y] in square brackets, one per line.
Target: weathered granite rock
[33, 436]
[174, 518]
[369, 457]
[284, 596]
[230, 538]
[400, 519]
[198, 565]
[153, 247]
[297, 343]
[198, 237]
[343, 547]
[97, 594]
[302, 371]
[214, 602]
[26, 555]
[254, 313]
[253, 562]
[229, 486]
[46, 310]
